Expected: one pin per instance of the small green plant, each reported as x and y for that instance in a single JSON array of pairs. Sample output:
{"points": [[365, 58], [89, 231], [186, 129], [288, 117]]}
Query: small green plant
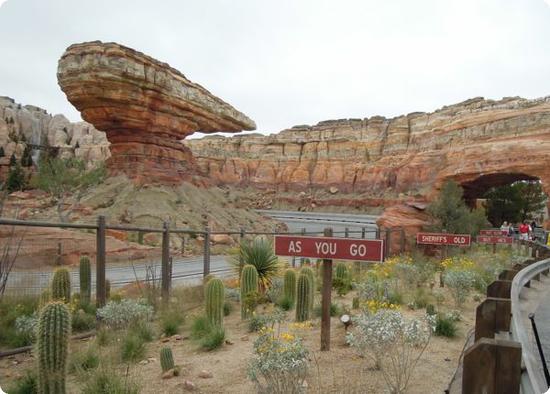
{"points": [[166, 359], [258, 253], [335, 310], [303, 298], [249, 284], [61, 285], [102, 380], [227, 308], [27, 384], [171, 320], [285, 303], [81, 321], [214, 339], [460, 282], [84, 360], [421, 299], [199, 327], [85, 276], [445, 327], [103, 336], [430, 309], [142, 329], [132, 348], [121, 314], [290, 286], [214, 299], [54, 326]]}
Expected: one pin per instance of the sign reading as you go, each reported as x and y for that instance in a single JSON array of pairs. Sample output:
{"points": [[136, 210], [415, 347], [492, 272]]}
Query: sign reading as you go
{"points": [[443, 239], [494, 233], [491, 239], [330, 248]]}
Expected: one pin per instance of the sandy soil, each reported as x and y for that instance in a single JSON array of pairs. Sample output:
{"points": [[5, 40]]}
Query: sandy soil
{"points": [[336, 371]]}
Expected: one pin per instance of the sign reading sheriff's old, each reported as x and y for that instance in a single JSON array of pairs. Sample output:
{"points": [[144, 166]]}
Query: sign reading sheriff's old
{"points": [[492, 239], [443, 239], [330, 248]]}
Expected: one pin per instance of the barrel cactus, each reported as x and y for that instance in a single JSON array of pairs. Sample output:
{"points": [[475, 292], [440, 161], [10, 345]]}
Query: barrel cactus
{"points": [[309, 272], [61, 285], [303, 295], [166, 359], [214, 298], [85, 274], [290, 286], [249, 286], [341, 272], [52, 345]]}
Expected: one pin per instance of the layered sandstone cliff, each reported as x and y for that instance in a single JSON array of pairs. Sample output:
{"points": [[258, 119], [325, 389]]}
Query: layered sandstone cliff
{"points": [[145, 106], [22, 125], [412, 154]]}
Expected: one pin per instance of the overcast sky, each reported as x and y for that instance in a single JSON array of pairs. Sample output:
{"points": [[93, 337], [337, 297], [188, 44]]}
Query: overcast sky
{"points": [[289, 62]]}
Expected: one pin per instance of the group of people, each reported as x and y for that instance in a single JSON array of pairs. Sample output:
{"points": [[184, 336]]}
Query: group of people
{"points": [[525, 229]]}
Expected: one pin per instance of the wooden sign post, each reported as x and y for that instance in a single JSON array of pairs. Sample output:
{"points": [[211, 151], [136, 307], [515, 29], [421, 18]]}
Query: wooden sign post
{"points": [[328, 248]]}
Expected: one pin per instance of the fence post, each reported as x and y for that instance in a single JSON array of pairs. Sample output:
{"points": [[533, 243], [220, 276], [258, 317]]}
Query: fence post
{"points": [[377, 232], [388, 236], [206, 266], [346, 233], [165, 268], [242, 234], [303, 231], [326, 301], [100, 262], [363, 234]]}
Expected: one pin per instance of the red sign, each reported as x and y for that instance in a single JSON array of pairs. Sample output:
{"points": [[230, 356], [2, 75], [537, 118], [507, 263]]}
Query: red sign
{"points": [[490, 239], [330, 248], [494, 233], [443, 239]]}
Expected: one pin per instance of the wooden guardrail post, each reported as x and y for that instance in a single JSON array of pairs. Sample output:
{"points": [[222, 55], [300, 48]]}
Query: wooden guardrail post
{"points": [[100, 262], [326, 299], [206, 257], [499, 289], [492, 366], [165, 267], [492, 315]]}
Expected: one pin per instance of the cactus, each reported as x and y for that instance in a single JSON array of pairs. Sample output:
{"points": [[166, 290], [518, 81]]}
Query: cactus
{"points": [[341, 272], [309, 272], [303, 295], [61, 285], [249, 284], [52, 345], [85, 275], [290, 286], [207, 278], [107, 289], [166, 359], [214, 296]]}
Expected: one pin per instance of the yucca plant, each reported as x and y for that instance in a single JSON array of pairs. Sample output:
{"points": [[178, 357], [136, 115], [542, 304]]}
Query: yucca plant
{"points": [[259, 253]]}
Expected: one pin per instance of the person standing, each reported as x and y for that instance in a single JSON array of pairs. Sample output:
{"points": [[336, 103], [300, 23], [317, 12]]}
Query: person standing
{"points": [[524, 231], [504, 227]]}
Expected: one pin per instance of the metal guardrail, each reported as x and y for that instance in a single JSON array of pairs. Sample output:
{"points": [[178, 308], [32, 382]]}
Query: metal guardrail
{"points": [[532, 381]]}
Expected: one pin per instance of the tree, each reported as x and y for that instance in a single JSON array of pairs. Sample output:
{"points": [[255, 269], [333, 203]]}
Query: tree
{"points": [[515, 202], [60, 177], [16, 179], [451, 213], [26, 159]]}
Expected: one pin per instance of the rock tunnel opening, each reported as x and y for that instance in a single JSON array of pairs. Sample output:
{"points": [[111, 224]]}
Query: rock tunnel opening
{"points": [[475, 191]]}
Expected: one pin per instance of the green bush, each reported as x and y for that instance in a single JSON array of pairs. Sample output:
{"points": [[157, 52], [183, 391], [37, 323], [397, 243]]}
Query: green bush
{"points": [[430, 309], [132, 348], [142, 330], [103, 336], [170, 322], [421, 298], [199, 327], [445, 327], [285, 303], [103, 381], [12, 308], [227, 308], [83, 360], [335, 310], [259, 253], [213, 339], [27, 384], [81, 321]]}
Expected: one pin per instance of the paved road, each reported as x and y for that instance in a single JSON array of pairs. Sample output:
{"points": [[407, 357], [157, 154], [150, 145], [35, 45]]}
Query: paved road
{"points": [[185, 270], [318, 221]]}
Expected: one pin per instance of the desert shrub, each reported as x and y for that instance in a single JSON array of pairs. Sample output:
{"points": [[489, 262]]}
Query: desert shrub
{"points": [[258, 322], [275, 291], [232, 294], [280, 363], [171, 321], [394, 343], [259, 253], [460, 282], [213, 339], [83, 360], [227, 308], [132, 348], [199, 327], [445, 326], [103, 336], [285, 303], [27, 384], [430, 309], [142, 329], [25, 327], [121, 314], [394, 297], [335, 310], [421, 298], [12, 308], [81, 321], [103, 381], [453, 315]]}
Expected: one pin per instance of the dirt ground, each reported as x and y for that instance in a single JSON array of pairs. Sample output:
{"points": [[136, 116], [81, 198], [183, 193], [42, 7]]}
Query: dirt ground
{"points": [[336, 371]]}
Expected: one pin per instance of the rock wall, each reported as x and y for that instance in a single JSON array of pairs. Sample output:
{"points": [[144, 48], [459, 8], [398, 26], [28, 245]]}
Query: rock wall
{"points": [[26, 124], [411, 154]]}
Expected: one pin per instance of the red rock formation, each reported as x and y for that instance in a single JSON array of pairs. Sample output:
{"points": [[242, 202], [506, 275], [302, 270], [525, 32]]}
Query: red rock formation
{"points": [[145, 107], [478, 143]]}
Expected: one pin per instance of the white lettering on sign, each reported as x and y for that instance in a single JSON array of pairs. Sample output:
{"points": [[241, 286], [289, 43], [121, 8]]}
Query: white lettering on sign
{"points": [[358, 250], [295, 246], [434, 238], [459, 240], [326, 248]]}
